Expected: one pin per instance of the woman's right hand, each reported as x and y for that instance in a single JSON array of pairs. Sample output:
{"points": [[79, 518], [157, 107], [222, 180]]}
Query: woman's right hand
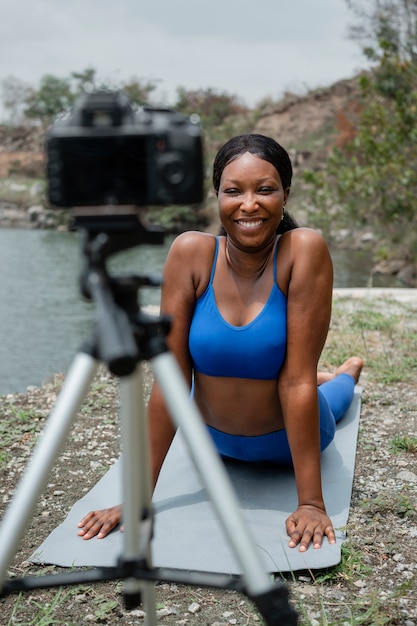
{"points": [[100, 523]]}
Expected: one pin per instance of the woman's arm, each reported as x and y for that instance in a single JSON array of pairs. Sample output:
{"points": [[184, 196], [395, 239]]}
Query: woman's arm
{"points": [[181, 280], [186, 268], [309, 309]]}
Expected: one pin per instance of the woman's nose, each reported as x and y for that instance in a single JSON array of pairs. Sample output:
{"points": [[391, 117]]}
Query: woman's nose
{"points": [[249, 202]]}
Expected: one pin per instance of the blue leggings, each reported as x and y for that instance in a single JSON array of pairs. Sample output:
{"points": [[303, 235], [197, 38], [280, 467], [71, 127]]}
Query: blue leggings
{"points": [[335, 398]]}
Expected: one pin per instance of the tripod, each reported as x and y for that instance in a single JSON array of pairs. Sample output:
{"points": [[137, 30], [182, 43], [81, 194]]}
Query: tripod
{"points": [[122, 339]]}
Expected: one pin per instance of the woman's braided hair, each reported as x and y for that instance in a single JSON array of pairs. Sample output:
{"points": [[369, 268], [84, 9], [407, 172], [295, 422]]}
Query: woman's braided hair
{"points": [[265, 148]]}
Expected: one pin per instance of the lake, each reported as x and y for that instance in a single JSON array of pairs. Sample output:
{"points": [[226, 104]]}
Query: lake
{"points": [[43, 318]]}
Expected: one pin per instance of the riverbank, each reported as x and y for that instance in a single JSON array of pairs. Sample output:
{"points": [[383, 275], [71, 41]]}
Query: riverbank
{"points": [[23, 206], [376, 581], [395, 294]]}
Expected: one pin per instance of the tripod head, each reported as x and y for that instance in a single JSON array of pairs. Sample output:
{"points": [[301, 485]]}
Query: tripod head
{"points": [[105, 159], [122, 331]]}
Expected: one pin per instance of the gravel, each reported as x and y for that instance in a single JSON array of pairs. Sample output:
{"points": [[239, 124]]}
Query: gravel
{"points": [[376, 581]]}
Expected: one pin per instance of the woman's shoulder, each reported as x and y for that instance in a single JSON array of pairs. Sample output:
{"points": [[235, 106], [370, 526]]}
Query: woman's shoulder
{"points": [[191, 257], [191, 241], [304, 234], [192, 247], [304, 239], [303, 255]]}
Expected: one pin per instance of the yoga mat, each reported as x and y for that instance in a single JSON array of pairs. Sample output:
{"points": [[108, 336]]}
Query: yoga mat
{"points": [[187, 533]]}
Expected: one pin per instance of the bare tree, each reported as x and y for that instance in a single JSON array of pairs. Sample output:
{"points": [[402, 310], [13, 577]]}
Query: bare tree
{"points": [[14, 94], [392, 22]]}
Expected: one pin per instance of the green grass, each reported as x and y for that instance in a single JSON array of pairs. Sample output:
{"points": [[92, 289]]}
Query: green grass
{"points": [[380, 337], [390, 501], [22, 190], [16, 427], [43, 613], [387, 342], [403, 443], [351, 567]]}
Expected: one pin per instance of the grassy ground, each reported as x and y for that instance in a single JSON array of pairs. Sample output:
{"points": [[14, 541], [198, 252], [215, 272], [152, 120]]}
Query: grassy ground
{"points": [[374, 584]]}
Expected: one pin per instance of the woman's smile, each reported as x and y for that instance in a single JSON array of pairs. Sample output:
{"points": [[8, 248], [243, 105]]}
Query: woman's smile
{"points": [[250, 224]]}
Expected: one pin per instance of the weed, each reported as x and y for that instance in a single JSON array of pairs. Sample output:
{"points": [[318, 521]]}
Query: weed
{"points": [[403, 443], [368, 319], [44, 611], [381, 337], [104, 609], [399, 503], [17, 426], [4, 458], [350, 568]]}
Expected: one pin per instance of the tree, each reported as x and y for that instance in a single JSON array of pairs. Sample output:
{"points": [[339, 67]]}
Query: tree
{"points": [[15, 92], [53, 97], [139, 91], [371, 178], [391, 23], [211, 105], [84, 80]]}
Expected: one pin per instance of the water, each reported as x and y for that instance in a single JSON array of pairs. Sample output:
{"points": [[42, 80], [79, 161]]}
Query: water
{"points": [[43, 319]]}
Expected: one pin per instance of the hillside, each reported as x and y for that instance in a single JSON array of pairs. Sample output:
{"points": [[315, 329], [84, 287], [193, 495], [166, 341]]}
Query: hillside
{"points": [[303, 124], [307, 124]]}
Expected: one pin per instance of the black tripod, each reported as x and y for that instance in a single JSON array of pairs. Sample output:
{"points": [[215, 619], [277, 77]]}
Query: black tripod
{"points": [[123, 337]]}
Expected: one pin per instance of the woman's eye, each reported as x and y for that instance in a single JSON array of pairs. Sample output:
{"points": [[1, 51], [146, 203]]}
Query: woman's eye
{"points": [[231, 191]]}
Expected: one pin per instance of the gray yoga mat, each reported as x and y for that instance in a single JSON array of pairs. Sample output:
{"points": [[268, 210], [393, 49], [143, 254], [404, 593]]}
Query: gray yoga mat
{"points": [[187, 533]]}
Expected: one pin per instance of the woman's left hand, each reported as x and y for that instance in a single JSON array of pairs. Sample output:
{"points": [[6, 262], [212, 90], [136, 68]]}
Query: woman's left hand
{"points": [[309, 524]]}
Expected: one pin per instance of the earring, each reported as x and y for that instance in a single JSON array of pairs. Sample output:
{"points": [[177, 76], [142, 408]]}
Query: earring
{"points": [[283, 212]]}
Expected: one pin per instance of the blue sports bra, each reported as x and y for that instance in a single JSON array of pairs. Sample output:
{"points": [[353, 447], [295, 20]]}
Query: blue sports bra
{"points": [[255, 351]]}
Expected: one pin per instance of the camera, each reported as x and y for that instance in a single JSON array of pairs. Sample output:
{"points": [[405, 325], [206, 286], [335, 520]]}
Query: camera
{"points": [[106, 153]]}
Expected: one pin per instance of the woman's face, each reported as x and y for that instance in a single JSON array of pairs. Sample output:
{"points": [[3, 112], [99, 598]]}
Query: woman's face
{"points": [[251, 200]]}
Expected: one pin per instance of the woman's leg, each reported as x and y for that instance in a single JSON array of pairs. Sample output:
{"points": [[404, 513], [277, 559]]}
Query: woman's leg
{"points": [[338, 394], [352, 366], [335, 398]]}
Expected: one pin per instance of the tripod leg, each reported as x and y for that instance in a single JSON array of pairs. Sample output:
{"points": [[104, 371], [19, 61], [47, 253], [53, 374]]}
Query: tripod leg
{"points": [[137, 491], [186, 415], [46, 452], [272, 600]]}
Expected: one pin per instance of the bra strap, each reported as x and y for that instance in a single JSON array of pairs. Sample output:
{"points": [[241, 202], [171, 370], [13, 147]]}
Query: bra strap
{"points": [[275, 259], [213, 267]]}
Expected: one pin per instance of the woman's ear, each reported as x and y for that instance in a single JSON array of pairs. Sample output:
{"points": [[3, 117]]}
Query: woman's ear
{"points": [[286, 194]]}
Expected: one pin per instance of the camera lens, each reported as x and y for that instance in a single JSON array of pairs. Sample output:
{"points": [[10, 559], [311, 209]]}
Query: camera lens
{"points": [[173, 171]]}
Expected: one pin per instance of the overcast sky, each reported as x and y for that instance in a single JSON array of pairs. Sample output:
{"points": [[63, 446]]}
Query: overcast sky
{"points": [[252, 49]]}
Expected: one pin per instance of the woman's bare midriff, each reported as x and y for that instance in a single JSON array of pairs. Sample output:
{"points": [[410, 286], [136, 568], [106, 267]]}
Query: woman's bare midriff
{"points": [[248, 409]]}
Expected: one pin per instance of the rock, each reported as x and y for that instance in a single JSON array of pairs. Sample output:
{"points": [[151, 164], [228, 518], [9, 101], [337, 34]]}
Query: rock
{"points": [[407, 477], [15, 187], [34, 212], [408, 275]]}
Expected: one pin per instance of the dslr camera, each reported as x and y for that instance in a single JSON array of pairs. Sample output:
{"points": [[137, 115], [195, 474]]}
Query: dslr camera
{"points": [[105, 153]]}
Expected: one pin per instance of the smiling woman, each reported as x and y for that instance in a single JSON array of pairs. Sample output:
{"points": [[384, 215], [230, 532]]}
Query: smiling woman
{"points": [[261, 157], [251, 200], [251, 311]]}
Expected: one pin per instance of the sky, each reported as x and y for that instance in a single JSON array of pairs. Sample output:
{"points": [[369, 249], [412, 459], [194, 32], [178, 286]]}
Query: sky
{"points": [[253, 49]]}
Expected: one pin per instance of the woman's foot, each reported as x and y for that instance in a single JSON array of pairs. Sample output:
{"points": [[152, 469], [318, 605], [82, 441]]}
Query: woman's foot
{"points": [[352, 366]]}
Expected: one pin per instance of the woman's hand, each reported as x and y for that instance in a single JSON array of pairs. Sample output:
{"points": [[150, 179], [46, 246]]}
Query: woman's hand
{"points": [[100, 523], [309, 524]]}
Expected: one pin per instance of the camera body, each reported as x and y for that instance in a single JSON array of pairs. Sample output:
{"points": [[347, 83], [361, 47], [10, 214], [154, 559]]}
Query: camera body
{"points": [[105, 153]]}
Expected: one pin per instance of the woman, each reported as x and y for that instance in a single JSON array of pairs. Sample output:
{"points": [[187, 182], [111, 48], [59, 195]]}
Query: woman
{"points": [[251, 310]]}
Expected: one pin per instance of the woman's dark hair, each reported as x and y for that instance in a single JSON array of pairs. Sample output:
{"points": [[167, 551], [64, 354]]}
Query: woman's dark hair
{"points": [[265, 148]]}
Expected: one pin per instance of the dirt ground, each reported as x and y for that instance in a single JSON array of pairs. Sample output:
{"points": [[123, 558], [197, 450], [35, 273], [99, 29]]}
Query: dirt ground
{"points": [[376, 581]]}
